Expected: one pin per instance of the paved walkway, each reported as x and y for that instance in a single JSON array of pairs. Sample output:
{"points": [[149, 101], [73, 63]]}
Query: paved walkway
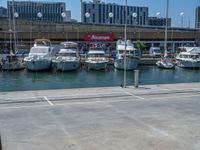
{"points": [[153, 117]]}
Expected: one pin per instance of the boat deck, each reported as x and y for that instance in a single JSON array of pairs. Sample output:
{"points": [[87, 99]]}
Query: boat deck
{"points": [[108, 118]]}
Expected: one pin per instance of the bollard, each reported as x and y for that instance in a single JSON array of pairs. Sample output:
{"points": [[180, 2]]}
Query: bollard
{"points": [[0, 144], [136, 77]]}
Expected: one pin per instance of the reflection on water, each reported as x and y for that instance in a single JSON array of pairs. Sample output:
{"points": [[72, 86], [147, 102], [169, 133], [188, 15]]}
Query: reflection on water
{"points": [[26, 80]]}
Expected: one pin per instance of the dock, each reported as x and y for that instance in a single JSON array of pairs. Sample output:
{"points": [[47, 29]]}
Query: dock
{"points": [[150, 117]]}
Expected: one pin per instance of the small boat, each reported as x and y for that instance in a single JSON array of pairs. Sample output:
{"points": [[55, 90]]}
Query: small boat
{"points": [[131, 54], [12, 62], [96, 60], [188, 60], [165, 63], [40, 56], [67, 58]]}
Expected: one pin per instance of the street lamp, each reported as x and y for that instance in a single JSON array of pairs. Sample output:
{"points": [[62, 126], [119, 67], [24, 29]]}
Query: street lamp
{"points": [[182, 15], [15, 15], [39, 15], [110, 16], [125, 38], [134, 16], [87, 15]]}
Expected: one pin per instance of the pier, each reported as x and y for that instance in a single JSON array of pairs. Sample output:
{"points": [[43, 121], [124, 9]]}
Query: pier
{"points": [[148, 117]]}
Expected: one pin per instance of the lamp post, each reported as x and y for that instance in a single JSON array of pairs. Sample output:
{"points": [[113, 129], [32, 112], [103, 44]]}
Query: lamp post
{"points": [[182, 15], [134, 15], [63, 15], [110, 15], [15, 15], [87, 15], [39, 15], [125, 38]]}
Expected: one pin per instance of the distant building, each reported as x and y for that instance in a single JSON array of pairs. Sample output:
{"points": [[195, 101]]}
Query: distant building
{"points": [[49, 11], [3, 12], [102, 13], [155, 21], [197, 17]]}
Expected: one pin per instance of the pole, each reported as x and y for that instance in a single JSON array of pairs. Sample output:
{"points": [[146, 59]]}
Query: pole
{"points": [[14, 29], [10, 30], [166, 27], [125, 38]]}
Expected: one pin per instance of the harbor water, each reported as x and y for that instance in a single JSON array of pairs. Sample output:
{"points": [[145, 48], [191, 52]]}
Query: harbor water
{"points": [[25, 80]]}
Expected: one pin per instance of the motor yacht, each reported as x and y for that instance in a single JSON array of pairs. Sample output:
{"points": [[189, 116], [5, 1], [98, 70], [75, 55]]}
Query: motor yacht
{"points": [[40, 56], [68, 57], [188, 60], [96, 59], [126, 53]]}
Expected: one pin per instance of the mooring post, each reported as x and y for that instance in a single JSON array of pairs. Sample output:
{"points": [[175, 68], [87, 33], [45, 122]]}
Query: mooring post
{"points": [[136, 78], [0, 144]]}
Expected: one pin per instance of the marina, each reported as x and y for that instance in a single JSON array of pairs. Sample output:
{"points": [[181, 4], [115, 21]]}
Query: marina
{"points": [[82, 78]]}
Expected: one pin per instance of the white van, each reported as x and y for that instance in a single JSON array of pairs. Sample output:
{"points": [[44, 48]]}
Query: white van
{"points": [[155, 52]]}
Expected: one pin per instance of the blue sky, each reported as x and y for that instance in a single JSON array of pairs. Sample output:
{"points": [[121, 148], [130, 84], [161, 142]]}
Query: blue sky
{"points": [[176, 6]]}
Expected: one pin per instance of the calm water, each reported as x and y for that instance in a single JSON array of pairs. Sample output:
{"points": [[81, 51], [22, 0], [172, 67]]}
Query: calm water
{"points": [[26, 80]]}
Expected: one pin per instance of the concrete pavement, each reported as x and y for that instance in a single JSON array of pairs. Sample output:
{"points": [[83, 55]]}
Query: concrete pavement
{"points": [[153, 117]]}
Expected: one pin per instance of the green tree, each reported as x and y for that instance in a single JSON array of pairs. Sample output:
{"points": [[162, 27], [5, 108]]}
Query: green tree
{"points": [[140, 45]]}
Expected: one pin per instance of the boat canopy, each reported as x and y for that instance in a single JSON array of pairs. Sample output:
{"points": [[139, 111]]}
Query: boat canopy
{"points": [[67, 51], [121, 45], [190, 49], [44, 42], [69, 44], [96, 52]]}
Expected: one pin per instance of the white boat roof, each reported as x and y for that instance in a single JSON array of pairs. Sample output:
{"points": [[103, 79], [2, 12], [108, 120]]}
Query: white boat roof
{"points": [[191, 49], [69, 43], [96, 52], [188, 53], [67, 51], [122, 48]]}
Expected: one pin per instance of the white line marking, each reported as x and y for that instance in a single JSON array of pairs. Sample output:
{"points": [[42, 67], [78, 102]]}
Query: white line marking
{"points": [[48, 101], [133, 95]]}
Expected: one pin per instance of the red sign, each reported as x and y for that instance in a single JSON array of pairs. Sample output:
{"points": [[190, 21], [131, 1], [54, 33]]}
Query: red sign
{"points": [[99, 37]]}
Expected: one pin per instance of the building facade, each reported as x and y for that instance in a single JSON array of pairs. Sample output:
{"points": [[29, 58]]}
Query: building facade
{"points": [[197, 17], [49, 11], [3, 12], [155, 21], [107, 13]]}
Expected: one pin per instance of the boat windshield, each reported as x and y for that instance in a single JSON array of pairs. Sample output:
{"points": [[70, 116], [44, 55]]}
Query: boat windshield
{"points": [[39, 50], [156, 50], [96, 55], [68, 54], [190, 56]]}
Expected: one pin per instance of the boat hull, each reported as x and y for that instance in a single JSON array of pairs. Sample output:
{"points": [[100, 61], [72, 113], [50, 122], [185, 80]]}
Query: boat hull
{"points": [[38, 65], [13, 66], [165, 65], [96, 65], [66, 65], [131, 63], [187, 64]]}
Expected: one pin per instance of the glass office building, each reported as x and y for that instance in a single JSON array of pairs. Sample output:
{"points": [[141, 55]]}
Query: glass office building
{"points": [[49, 11], [3, 12], [111, 13]]}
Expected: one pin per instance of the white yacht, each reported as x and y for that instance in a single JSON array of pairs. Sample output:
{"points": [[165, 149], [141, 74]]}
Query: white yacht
{"points": [[131, 54], [12, 62], [40, 56], [96, 59], [67, 58], [188, 60]]}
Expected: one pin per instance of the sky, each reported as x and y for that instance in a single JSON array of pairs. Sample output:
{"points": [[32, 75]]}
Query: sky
{"points": [[175, 8]]}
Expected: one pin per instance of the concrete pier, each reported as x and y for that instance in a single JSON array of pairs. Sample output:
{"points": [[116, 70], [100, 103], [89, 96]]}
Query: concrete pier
{"points": [[153, 117]]}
